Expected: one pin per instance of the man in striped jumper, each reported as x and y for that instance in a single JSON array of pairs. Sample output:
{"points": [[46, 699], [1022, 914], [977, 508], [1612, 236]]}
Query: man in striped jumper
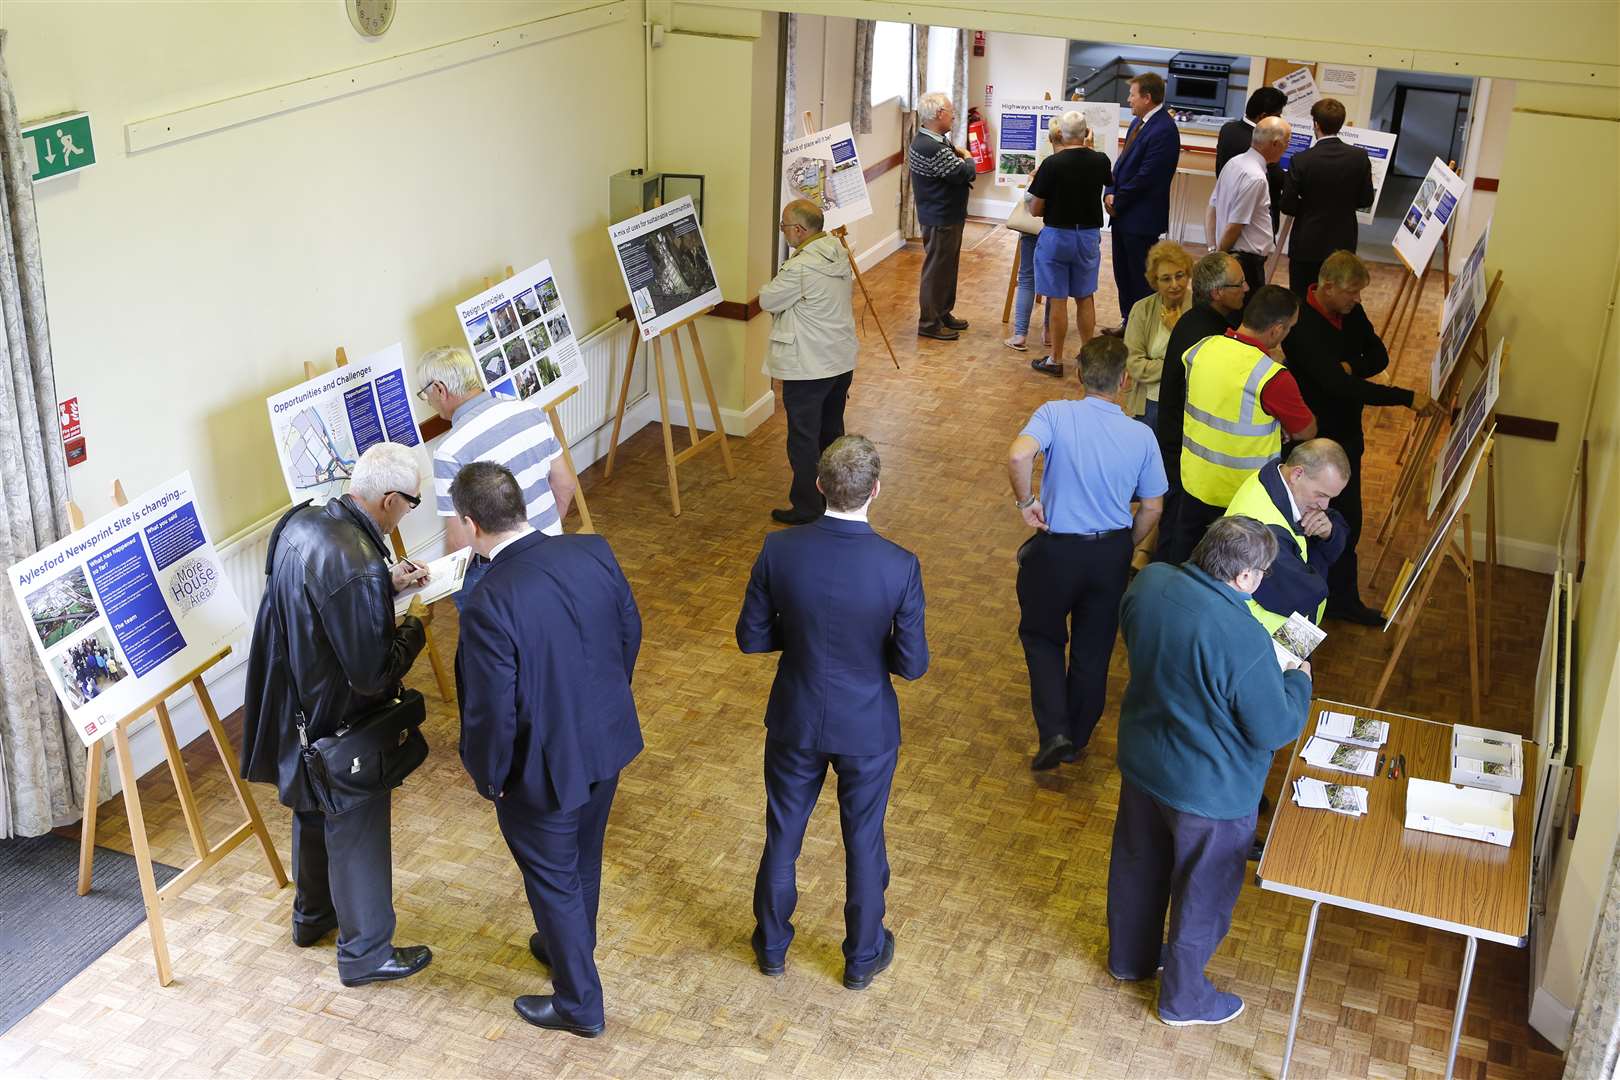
{"points": [[941, 177], [485, 426]]}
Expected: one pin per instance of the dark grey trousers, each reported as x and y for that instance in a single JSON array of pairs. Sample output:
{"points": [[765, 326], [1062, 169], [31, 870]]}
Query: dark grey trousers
{"points": [[936, 289], [343, 864]]}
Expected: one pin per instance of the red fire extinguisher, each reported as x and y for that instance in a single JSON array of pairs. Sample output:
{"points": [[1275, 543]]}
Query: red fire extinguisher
{"points": [[978, 143]]}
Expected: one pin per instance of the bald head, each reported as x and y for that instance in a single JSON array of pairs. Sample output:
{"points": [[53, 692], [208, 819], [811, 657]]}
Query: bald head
{"points": [[1271, 138], [801, 219]]}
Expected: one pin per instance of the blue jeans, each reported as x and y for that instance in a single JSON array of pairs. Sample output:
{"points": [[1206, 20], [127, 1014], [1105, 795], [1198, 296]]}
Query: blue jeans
{"points": [[1024, 298], [1150, 414]]}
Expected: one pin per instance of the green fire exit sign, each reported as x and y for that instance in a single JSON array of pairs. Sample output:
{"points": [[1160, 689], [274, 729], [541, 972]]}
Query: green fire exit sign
{"points": [[58, 146]]}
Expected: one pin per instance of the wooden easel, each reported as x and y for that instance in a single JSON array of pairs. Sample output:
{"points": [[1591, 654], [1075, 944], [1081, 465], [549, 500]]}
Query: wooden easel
{"points": [[440, 676], [207, 855], [562, 439], [1462, 557], [671, 458], [1404, 308], [842, 232]]}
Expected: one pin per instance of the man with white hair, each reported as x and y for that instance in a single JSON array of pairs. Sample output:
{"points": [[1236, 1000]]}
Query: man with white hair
{"points": [[941, 177], [487, 427], [1239, 216], [325, 651], [1066, 194]]}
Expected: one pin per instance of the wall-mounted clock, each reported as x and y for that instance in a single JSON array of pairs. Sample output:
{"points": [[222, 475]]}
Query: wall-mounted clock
{"points": [[371, 17]]}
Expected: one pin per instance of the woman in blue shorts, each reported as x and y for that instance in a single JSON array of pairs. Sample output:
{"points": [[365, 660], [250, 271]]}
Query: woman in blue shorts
{"points": [[1067, 195]]}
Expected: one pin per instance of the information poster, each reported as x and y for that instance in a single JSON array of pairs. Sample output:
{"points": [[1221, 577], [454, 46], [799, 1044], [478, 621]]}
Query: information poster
{"points": [[1442, 530], [1430, 213], [520, 334], [1380, 148], [1299, 86], [322, 426], [1021, 135], [1459, 313], [665, 265], [825, 169], [1469, 423], [127, 605]]}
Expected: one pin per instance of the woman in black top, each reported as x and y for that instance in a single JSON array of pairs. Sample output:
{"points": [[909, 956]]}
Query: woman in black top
{"points": [[1067, 195]]}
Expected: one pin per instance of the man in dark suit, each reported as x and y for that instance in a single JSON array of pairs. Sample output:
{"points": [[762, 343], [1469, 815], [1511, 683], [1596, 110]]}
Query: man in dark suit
{"points": [[1236, 136], [548, 645], [1326, 185], [845, 609], [1138, 201]]}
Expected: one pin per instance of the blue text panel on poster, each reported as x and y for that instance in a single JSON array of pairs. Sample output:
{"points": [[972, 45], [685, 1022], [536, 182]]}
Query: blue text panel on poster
{"points": [[129, 595], [396, 408], [364, 423], [175, 536], [1018, 131]]}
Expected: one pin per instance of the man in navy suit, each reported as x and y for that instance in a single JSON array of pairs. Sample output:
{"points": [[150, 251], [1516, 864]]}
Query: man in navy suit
{"points": [[548, 644], [845, 609], [1138, 201]]}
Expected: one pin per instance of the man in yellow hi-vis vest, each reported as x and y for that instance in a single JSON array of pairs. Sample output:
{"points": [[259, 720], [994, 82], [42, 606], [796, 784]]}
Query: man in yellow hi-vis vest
{"points": [[1291, 499], [1239, 404]]}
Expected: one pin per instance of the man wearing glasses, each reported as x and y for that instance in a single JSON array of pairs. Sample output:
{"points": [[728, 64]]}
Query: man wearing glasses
{"points": [[325, 650], [1219, 292]]}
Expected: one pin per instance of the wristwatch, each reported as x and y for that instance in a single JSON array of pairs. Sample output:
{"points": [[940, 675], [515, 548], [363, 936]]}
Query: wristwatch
{"points": [[1025, 504]]}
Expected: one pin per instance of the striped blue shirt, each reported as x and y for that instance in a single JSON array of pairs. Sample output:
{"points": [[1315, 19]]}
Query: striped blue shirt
{"points": [[507, 432]]}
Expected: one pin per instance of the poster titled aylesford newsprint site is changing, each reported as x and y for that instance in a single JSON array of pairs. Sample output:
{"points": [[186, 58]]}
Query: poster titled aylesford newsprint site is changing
{"points": [[825, 169], [665, 265], [322, 426], [127, 605], [520, 334]]}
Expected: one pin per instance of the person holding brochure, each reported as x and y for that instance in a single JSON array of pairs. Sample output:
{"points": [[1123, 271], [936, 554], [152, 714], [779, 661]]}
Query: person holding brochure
{"points": [[326, 650], [548, 647], [1205, 708], [484, 427]]}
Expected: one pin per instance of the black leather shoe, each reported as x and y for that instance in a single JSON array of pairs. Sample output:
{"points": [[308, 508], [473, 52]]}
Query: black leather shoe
{"points": [[952, 322], [792, 517], [1355, 612], [541, 1011], [1051, 752], [1047, 366], [404, 963], [766, 967], [537, 949], [938, 333], [1072, 755], [306, 934], [885, 958]]}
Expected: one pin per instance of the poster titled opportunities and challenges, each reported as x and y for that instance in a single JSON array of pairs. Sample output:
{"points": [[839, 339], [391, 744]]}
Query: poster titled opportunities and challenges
{"points": [[665, 265], [127, 605], [323, 425], [519, 333]]}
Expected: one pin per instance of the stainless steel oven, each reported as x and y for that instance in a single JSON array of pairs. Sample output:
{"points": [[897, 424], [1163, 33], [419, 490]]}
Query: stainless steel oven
{"points": [[1197, 83]]}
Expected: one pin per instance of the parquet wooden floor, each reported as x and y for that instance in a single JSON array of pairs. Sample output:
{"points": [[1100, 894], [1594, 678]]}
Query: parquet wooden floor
{"points": [[998, 875]]}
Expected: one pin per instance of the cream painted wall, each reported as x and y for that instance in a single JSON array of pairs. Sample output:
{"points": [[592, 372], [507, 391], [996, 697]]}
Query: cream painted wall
{"points": [[190, 281], [1018, 67]]}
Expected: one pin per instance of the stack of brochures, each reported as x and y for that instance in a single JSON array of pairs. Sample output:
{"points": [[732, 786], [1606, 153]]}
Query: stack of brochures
{"points": [[1340, 798], [1327, 754], [1355, 730]]}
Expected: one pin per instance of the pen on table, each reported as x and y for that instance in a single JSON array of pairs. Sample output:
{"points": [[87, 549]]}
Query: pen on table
{"points": [[1380, 766], [1403, 766]]}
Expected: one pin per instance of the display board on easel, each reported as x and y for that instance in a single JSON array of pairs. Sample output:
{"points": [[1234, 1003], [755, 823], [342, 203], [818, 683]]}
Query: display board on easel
{"points": [[126, 612]]}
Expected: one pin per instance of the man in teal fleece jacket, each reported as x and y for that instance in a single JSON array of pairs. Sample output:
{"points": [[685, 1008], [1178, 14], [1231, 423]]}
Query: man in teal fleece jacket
{"points": [[1206, 707]]}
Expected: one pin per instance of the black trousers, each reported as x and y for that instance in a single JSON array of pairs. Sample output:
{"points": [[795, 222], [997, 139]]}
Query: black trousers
{"points": [[936, 288], [815, 417], [1302, 274], [560, 855], [1254, 269], [1069, 589], [1193, 518], [1344, 584], [343, 865], [1130, 252]]}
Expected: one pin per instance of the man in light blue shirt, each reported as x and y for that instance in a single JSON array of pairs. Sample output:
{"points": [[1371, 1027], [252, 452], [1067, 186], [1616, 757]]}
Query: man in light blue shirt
{"points": [[1073, 571]]}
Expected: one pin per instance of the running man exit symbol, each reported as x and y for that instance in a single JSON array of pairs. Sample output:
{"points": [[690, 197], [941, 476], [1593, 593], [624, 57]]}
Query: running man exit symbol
{"points": [[58, 146]]}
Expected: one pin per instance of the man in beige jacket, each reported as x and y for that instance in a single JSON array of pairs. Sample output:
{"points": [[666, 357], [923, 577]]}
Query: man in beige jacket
{"points": [[812, 348]]}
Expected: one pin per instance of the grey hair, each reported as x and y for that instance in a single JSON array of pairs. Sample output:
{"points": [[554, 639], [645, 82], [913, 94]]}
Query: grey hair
{"points": [[1314, 455], [386, 467], [1073, 126], [1209, 274], [806, 213], [848, 471], [930, 104], [1233, 545], [451, 365], [1269, 132]]}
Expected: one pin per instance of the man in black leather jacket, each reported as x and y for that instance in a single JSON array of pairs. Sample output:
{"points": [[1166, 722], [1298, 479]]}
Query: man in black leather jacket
{"points": [[325, 644]]}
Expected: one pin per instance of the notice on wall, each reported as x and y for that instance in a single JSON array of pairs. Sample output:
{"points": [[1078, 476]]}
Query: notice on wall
{"points": [[323, 425], [665, 265], [825, 169], [127, 605], [1458, 314], [1021, 135], [1338, 81], [1469, 423], [1431, 211], [1380, 148], [519, 333]]}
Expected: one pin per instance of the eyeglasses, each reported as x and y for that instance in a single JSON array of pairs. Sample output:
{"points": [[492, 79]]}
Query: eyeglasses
{"points": [[1232, 284], [414, 500], [422, 393]]}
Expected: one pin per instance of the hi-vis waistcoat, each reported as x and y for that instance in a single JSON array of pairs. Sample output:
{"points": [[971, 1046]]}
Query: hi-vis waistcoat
{"points": [[1252, 500], [1226, 434]]}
